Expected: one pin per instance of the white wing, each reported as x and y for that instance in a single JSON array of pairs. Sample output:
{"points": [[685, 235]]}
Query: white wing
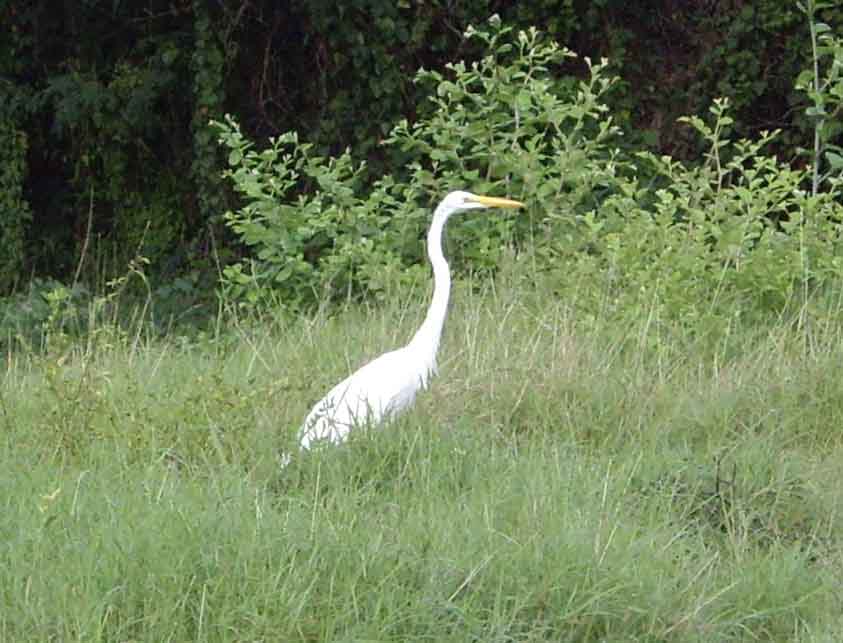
{"points": [[376, 392]]}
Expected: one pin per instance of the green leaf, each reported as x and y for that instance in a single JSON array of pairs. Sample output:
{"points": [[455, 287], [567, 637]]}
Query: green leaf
{"points": [[523, 101], [834, 160], [805, 78]]}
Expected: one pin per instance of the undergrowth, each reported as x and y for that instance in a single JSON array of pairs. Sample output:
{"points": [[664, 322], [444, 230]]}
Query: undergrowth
{"points": [[566, 478]]}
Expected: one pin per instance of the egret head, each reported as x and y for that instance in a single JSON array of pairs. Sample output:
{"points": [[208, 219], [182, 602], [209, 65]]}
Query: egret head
{"points": [[459, 200]]}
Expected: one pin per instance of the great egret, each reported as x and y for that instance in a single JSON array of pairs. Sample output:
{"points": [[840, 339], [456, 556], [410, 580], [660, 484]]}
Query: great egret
{"points": [[387, 385]]}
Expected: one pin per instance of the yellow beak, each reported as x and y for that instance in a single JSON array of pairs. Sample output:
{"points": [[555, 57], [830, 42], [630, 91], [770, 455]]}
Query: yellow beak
{"points": [[496, 202]]}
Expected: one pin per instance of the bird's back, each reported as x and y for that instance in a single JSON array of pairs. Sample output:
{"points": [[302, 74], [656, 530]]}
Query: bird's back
{"points": [[371, 395]]}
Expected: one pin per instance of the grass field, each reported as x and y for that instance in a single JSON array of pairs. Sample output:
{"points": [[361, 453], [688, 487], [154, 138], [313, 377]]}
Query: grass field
{"points": [[566, 478]]}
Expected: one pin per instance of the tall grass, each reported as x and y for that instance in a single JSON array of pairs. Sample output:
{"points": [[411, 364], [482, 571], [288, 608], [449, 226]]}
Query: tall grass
{"points": [[566, 478]]}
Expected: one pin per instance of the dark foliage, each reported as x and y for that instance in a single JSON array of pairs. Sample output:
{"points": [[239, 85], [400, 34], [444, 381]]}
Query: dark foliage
{"points": [[107, 103]]}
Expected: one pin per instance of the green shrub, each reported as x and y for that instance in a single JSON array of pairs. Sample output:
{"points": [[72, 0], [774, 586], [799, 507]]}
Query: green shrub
{"points": [[501, 125], [738, 234], [823, 85]]}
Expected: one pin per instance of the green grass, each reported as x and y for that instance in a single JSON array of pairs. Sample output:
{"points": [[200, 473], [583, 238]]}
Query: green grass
{"points": [[566, 478]]}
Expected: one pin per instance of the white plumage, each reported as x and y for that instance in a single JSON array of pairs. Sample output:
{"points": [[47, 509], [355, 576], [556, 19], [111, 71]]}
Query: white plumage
{"points": [[387, 385]]}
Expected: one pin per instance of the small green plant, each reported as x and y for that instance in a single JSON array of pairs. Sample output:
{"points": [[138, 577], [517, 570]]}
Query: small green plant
{"points": [[52, 317], [823, 84], [48, 314], [290, 228]]}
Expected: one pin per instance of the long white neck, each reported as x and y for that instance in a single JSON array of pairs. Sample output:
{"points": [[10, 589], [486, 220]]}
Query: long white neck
{"points": [[427, 337]]}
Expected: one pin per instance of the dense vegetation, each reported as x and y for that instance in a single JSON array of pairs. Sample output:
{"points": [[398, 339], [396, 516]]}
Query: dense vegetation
{"points": [[104, 107], [567, 478], [635, 434]]}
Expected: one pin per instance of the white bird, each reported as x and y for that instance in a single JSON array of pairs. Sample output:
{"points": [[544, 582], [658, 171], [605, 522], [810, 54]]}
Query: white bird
{"points": [[387, 385]]}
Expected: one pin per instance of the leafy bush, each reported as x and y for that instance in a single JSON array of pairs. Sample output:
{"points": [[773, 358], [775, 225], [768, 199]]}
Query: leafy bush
{"points": [[823, 84], [53, 317], [741, 231], [737, 233], [501, 125]]}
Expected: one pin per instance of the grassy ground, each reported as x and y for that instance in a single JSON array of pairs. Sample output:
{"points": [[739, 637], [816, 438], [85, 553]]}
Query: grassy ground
{"points": [[565, 479]]}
